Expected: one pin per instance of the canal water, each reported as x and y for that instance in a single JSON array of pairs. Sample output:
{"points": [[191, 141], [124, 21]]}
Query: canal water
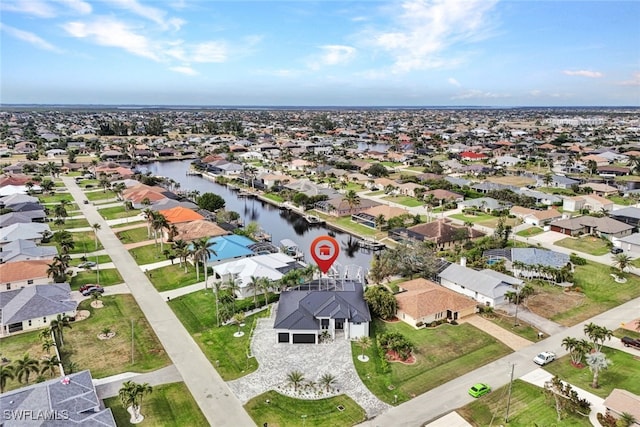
{"points": [[279, 223]]}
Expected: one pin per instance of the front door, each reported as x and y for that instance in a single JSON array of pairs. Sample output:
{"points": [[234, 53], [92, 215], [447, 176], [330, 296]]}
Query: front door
{"points": [[339, 323]]}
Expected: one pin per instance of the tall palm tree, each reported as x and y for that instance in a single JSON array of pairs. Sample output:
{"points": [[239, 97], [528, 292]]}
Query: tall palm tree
{"points": [[96, 227], [148, 216], [327, 380], [57, 326], [352, 199], [25, 366], [49, 364], [182, 251], [265, 286], [158, 224], [131, 394], [597, 362], [598, 335], [255, 286], [6, 373], [202, 251], [295, 378]]}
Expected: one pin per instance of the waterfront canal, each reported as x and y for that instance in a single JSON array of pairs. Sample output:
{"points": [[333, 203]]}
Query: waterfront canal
{"points": [[279, 223]]}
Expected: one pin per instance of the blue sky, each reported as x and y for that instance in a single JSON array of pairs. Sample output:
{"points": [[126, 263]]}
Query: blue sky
{"points": [[366, 53]]}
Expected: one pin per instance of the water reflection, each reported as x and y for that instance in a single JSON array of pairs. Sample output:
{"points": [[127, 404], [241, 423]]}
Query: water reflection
{"points": [[350, 246]]}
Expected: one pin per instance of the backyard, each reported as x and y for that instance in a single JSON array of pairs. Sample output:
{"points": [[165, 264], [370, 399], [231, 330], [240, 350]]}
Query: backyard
{"points": [[273, 409], [167, 405], [528, 407], [588, 244], [14, 347], [106, 277], [228, 354], [441, 354]]}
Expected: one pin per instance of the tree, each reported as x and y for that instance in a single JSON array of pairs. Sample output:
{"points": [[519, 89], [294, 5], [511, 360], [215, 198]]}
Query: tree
{"points": [[210, 201], [131, 395], [6, 373], [352, 199], [202, 251], [598, 335], [597, 362], [566, 399], [238, 318], [327, 380], [181, 249], [255, 287], [265, 285], [96, 227], [378, 170], [159, 223], [295, 378], [381, 302], [49, 364], [364, 342], [48, 344], [547, 179], [24, 367], [621, 261], [57, 326], [576, 348]]}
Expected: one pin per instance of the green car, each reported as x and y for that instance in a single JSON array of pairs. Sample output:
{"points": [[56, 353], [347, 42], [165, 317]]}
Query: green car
{"points": [[479, 389]]}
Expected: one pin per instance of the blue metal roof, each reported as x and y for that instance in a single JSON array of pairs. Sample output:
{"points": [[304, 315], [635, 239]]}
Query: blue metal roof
{"points": [[231, 246]]}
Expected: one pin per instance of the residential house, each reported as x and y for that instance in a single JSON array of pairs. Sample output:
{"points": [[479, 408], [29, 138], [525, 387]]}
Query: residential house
{"points": [[630, 243], [310, 188], [622, 401], [303, 316], [198, 229], [179, 215], [25, 250], [629, 215], [35, 307], [485, 204], [369, 217], [68, 401], [444, 196], [409, 189], [595, 203], [230, 246], [573, 204], [25, 231], [22, 218], [507, 161], [558, 181], [538, 218], [488, 287], [20, 274], [600, 189], [421, 302], [604, 227], [338, 206], [526, 262], [473, 157], [539, 196], [441, 232]]}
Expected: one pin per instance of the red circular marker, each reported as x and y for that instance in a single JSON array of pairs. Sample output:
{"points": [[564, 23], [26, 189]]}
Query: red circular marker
{"points": [[324, 250]]}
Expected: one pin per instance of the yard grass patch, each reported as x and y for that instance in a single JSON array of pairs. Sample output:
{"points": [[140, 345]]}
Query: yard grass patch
{"points": [[507, 322], [101, 196], [167, 405], [528, 407], [515, 180], [134, 235], [442, 353], [273, 196], [15, 346], [531, 231], [110, 357], [148, 254], [56, 198], [116, 212], [588, 244], [173, 277], [76, 223], [285, 411], [404, 200], [472, 218], [107, 277]]}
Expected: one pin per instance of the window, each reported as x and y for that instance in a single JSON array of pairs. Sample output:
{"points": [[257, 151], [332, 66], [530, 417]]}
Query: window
{"points": [[30, 282], [356, 323], [8, 286], [44, 320], [29, 322]]}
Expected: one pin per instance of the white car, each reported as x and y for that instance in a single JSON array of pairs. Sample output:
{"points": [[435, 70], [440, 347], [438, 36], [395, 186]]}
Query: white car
{"points": [[544, 358]]}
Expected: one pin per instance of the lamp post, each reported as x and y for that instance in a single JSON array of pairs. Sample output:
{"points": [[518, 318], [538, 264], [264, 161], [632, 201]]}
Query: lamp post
{"points": [[506, 417]]}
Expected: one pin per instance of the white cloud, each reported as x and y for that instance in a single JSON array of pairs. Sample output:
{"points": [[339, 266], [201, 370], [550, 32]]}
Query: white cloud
{"points": [[149, 12], [427, 29], [29, 38], [78, 6], [478, 94], [454, 82], [113, 33], [332, 55], [30, 7], [209, 52], [634, 81], [583, 73], [184, 70], [535, 92]]}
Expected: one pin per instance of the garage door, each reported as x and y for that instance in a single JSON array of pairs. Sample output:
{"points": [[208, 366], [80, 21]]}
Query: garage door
{"points": [[283, 336], [304, 338]]}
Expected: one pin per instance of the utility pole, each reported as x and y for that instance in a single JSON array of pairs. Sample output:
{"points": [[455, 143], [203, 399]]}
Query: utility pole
{"points": [[506, 417], [515, 321], [132, 349]]}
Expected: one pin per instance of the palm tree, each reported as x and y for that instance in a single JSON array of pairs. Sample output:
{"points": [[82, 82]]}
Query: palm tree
{"points": [[57, 326], [547, 179], [627, 419], [131, 396], [6, 373], [327, 380], [598, 335], [202, 251], [148, 216], [96, 227], [49, 364], [182, 251], [265, 286], [295, 378], [352, 199], [597, 362], [233, 288], [159, 223], [364, 342], [238, 318], [621, 261], [24, 367], [45, 334], [48, 344]]}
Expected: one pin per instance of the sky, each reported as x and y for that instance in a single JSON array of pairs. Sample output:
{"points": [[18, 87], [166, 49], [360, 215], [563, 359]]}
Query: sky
{"points": [[320, 53]]}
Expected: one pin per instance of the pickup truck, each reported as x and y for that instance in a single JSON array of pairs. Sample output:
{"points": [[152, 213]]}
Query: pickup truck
{"points": [[630, 342]]}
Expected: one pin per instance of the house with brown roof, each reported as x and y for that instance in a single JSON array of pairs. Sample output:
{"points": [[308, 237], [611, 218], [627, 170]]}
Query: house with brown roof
{"points": [[535, 217], [409, 188], [422, 301], [622, 401], [442, 232], [19, 274], [338, 206], [369, 216], [179, 215], [444, 195], [193, 230], [602, 227]]}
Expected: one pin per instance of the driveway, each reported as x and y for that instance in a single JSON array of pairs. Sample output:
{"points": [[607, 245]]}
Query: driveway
{"points": [[276, 360]]}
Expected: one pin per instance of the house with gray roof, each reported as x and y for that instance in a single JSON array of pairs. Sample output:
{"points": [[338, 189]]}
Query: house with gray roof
{"points": [[8, 201], [71, 400], [26, 231], [34, 306], [485, 204], [630, 243], [526, 262], [629, 215], [304, 315], [22, 218], [603, 227], [25, 250], [488, 287]]}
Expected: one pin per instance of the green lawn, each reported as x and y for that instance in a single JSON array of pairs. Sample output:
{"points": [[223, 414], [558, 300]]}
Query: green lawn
{"points": [[523, 329], [108, 277], [273, 196], [286, 411], [532, 231], [56, 198], [117, 212], [345, 222], [127, 224], [619, 200], [472, 218], [441, 354], [173, 277], [149, 254], [588, 244], [14, 347], [133, 235], [76, 223], [99, 195], [623, 373], [552, 190], [167, 405], [493, 222], [84, 242], [601, 293], [100, 259], [404, 200], [528, 407], [228, 354], [375, 193]]}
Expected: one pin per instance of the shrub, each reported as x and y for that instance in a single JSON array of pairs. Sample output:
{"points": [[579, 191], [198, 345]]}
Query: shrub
{"points": [[419, 324], [576, 260]]}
